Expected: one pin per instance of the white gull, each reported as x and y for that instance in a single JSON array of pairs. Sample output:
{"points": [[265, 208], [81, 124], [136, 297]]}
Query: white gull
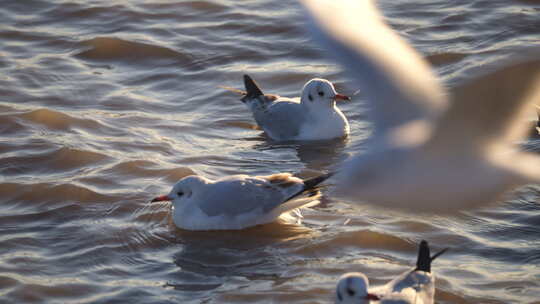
{"points": [[416, 286], [429, 151], [313, 116], [240, 201]]}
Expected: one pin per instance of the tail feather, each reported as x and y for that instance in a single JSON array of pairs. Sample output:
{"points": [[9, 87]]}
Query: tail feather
{"points": [[311, 192], [252, 89], [424, 259], [308, 201]]}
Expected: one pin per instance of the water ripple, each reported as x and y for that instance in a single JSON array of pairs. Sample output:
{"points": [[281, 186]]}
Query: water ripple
{"points": [[106, 104]]}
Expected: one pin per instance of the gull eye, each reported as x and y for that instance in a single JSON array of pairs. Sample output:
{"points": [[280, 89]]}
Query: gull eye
{"points": [[350, 292], [321, 93], [310, 97], [180, 193]]}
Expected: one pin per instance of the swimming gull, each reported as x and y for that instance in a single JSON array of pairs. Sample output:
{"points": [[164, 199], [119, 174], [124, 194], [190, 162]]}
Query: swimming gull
{"points": [[240, 201], [313, 116], [416, 286]]}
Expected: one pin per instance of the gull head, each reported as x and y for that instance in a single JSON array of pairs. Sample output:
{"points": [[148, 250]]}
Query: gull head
{"points": [[319, 93], [183, 190], [353, 288]]}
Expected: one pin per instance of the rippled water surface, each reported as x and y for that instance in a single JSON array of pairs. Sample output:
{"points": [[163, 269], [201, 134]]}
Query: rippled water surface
{"points": [[105, 104]]}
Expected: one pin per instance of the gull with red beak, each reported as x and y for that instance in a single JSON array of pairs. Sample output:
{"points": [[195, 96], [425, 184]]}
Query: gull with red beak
{"points": [[313, 116], [240, 201], [414, 286]]}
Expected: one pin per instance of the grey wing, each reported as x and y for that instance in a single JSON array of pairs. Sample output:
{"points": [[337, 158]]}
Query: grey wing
{"points": [[282, 119], [242, 194]]}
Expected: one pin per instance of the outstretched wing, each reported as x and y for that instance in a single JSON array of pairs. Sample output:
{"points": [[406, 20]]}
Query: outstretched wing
{"points": [[491, 109], [401, 88]]}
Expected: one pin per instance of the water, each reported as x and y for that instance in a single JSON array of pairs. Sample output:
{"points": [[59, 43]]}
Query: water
{"points": [[105, 104]]}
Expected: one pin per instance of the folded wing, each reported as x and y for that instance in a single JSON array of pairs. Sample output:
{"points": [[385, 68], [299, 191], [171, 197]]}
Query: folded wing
{"points": [[240, 194]]}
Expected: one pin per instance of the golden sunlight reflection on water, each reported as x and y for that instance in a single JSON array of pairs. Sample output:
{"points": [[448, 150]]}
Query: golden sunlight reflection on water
{"points": [[105, 104]]}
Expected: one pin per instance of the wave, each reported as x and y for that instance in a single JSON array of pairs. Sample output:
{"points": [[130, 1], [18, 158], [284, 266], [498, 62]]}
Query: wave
{"points": [[43, 193], [111, 48], [60, 160]]}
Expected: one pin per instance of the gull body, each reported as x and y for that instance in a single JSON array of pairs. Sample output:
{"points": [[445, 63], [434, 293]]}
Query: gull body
{"points": [[313, 116], [431, 150], [240, 201], [415, 286]]}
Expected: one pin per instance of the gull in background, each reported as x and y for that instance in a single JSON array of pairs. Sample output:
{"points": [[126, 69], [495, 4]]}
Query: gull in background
{"points": [[240, 201], [416, 286], [313, 116], [430, 150]]}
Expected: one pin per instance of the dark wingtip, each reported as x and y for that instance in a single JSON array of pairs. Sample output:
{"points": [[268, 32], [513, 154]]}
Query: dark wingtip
{"points": [[438, 254], [252, 88], [313, 182], [424, 259]]}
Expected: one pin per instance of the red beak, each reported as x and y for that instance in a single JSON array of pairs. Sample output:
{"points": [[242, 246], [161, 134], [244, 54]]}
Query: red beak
{"points": [[342, 97], [372, 297], [161, 199]]}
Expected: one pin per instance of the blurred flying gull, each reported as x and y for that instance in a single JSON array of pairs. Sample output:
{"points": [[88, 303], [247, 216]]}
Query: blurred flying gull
{"points": [[429, 151]]}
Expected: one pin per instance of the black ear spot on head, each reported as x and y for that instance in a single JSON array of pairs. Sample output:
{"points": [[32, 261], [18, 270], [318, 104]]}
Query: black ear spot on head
{"points": [[310, 97]]}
